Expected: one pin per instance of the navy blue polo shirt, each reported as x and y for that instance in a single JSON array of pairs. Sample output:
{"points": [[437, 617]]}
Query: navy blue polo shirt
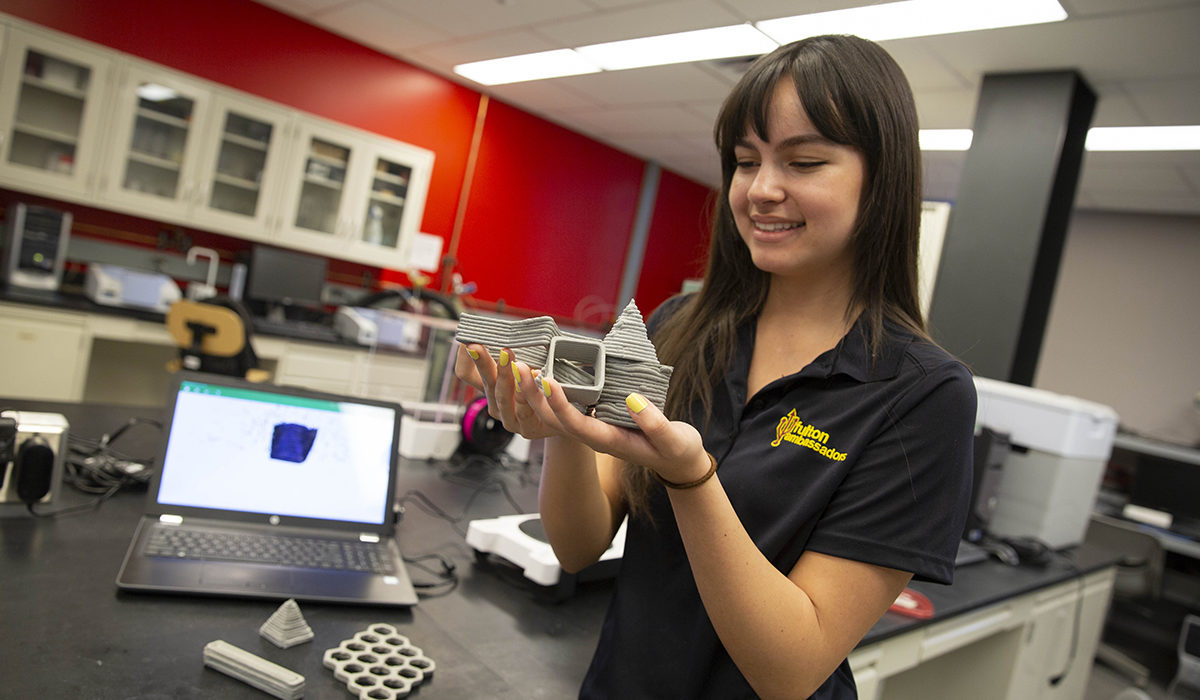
{"points": [[869, 461]]}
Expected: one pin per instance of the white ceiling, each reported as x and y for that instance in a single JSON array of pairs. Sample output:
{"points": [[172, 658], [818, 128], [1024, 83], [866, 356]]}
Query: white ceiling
{"points": [[1142, 57]]}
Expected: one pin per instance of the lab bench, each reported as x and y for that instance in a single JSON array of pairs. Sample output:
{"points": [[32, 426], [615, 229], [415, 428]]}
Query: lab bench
{"points": [[999, 632], [67, 348]]}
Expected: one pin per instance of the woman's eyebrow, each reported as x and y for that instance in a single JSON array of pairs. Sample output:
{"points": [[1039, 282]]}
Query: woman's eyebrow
{"points": [[804, 140], [791, 141]]}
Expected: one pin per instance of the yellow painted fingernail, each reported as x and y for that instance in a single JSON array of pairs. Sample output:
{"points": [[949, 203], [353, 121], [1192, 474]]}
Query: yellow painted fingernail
{"points": [[545, 386], [474, 355], [503, 358], [516, 377], [636, 403]]}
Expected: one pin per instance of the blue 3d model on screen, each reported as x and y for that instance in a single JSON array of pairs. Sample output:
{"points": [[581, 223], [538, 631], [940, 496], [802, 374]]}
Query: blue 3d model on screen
{"points": [[292, 442], [596, 374]]}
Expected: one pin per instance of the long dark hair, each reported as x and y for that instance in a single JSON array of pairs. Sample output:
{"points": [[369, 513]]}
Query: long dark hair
{"points": [[855, 95]]}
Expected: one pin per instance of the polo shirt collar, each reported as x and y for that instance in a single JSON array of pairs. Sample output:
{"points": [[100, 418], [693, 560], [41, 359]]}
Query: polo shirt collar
{"points": [[852, 355]]}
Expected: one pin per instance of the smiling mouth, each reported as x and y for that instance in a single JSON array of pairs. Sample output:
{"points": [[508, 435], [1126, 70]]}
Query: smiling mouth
{"points": [[778, 228]]}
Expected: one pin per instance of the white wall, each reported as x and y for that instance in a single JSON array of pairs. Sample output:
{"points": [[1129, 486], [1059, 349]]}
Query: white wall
{"points": [[1124, 325]]}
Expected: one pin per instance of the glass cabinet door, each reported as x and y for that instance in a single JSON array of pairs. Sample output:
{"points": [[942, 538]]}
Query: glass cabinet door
{"points": [[326, 166], [239, 166], [385, 203], [154, 161], [50, 92], [159, 121], [236, 185]]}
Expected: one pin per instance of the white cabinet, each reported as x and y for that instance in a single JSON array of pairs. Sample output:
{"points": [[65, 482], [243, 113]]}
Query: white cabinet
{"points": [[1035, 646], [357, 372], [1067, 623], [157, 126], [52, 108], [354, 196], [240, 167], [90, 125], [43, 356]]}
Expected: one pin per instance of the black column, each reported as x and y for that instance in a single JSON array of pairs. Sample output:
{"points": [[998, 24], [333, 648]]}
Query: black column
{"points": [[1007, 228]]}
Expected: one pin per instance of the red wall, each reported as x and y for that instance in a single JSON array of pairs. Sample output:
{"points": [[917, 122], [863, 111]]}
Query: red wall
{"points": [[677, 246], [550, 211], [550, 216]]}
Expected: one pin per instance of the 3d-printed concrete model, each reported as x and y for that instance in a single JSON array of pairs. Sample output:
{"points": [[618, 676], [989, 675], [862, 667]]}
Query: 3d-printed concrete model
{"points": [[379, 663], [286, 627], [254, 670], [594, 374]]}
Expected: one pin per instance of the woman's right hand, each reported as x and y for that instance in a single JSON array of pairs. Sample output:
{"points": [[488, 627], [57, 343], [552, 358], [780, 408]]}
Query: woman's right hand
{"points": [[505, 384]]}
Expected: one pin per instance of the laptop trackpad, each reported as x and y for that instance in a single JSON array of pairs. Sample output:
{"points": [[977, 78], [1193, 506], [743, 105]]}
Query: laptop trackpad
{"points": [[243, 577]]}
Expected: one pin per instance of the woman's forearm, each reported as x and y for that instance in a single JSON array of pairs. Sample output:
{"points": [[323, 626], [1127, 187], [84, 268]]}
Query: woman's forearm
{"points": [[577, 502], [786, 633]]}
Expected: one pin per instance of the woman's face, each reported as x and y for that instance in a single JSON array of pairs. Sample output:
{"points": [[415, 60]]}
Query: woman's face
{"points": [[795, 197]]}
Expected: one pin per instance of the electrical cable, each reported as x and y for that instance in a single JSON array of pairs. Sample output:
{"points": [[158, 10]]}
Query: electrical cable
{"points": [[92, 466], [448, 578]]}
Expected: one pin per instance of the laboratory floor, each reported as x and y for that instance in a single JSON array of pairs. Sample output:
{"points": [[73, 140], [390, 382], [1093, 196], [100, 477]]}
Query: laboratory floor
{"points": [[1107, 684]]}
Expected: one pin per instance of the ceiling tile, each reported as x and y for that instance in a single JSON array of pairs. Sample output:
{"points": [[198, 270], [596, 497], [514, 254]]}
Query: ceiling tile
{"points": [[658, 85], [513, 42], [1167, 102], [300, 8], [946, 109], [1108, 48], [470, 17], [543, 96], [639, 121], [378, 27], [639, 21], [754, 10]]}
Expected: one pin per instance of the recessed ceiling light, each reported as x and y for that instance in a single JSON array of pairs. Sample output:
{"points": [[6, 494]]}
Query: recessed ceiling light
{"points": [[1099, 138], [898, 20], [945, 139], [681, 47], [530, 66], [1143, 138]]}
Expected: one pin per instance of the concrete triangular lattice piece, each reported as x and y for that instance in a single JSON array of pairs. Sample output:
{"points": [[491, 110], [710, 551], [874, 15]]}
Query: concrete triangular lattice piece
{"points": [[286, 627]]}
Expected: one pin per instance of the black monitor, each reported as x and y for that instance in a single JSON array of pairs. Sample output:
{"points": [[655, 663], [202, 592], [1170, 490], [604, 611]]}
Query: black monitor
{"points": [[285, 277]]}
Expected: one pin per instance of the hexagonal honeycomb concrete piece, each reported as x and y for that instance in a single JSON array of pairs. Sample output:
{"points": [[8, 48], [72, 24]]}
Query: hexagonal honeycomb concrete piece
{"points": [[379, 663]]}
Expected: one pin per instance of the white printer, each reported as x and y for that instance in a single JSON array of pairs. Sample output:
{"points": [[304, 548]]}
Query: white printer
{"points": [[112, 285], [384, 327], [1060, 447]]}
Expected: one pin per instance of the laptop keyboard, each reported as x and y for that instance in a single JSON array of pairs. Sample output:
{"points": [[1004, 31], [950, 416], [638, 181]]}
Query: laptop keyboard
{"points": [[304, 552]]}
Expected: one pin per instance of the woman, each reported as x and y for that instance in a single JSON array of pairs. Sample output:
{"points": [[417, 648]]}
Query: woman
{"points": [[803, 370]]}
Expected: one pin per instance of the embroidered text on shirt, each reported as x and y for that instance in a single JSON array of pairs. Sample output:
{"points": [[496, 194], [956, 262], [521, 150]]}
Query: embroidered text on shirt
{"points": [[792, 429]]}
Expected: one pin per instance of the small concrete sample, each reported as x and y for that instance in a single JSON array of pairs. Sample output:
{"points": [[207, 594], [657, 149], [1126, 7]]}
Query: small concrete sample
{"points": [[623, 362], [286, 627], [379, 663], [253, 670]]}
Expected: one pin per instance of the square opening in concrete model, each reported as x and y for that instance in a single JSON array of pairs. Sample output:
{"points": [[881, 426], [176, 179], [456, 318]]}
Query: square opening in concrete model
{"points": [[586, 359]]}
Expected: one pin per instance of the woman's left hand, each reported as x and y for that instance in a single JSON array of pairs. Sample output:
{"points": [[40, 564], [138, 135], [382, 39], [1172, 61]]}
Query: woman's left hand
{"points": [[673, 449]]}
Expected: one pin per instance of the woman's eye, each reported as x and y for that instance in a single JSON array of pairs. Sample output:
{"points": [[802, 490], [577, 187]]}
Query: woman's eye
{"points": [[807, 164], [743, 163]]}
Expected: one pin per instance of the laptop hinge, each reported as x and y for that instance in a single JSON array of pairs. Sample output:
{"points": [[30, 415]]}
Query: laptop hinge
{"points": [[368, 537], [170, 519]]}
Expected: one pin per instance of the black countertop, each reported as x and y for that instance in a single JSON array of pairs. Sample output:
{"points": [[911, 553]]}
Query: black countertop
{"points": [[68, 632], [73, 299]]}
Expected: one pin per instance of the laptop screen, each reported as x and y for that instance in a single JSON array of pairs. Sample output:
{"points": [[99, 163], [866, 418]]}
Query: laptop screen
{"points": [[261, 451]]}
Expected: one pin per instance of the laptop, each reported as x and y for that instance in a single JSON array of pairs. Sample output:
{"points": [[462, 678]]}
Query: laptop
{"points": [[272, 492]]}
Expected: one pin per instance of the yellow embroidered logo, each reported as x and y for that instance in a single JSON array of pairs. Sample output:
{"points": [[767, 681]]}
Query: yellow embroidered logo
{"points": [[792, 429]]}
